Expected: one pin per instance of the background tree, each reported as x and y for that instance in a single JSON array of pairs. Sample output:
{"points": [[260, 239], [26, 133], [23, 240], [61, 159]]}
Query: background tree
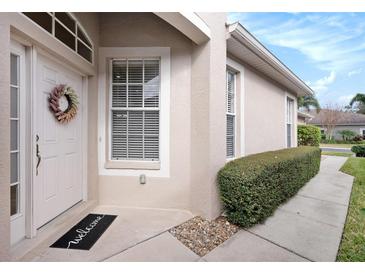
{"points": [[358, 103], [346, 134], [307, 102], [329, 117]]}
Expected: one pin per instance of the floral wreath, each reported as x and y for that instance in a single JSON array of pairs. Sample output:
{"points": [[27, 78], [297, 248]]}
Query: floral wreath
{"points": [[72, 100]]}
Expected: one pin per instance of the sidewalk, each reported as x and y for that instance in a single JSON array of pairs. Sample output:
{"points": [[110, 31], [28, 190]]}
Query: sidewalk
{"points": [[307, 228]]}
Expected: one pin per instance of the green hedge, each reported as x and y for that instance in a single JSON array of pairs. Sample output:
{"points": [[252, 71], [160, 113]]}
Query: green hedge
{"points": [[308, 135], [252, 187], [359, 151], [332, 141]]}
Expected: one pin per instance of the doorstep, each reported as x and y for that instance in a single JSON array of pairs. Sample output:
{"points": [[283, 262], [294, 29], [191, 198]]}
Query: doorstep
{"points": [[59, 223], [133, 226]]}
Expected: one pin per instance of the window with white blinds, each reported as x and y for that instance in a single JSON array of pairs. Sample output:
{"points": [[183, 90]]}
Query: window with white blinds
{"points": [[289, 121], [231, 114], [135, 109]]}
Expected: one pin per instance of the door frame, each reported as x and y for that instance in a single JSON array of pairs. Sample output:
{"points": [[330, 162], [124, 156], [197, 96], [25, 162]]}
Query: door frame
{"points": [[32, 51]]}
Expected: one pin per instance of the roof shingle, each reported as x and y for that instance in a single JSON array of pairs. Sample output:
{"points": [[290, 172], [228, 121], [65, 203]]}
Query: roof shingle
{"points": [[346, 118]]}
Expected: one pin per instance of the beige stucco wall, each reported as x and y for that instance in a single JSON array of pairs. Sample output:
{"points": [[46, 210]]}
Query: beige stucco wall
{"points": [[208, 143], [4, 141], [197, 115], [90, 22], [265, 105], [148, 30]]}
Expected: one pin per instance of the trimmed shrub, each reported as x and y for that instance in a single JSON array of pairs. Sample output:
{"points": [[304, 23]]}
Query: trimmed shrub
{"points": [[308, 135], [347, 135], [252, 187], [358, 138], [359, 151]]}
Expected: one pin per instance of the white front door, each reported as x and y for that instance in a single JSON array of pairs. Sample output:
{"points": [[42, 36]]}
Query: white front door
{"points": [[58, 184]]}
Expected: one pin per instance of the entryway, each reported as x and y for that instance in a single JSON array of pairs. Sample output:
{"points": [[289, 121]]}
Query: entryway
{"points": [[47, 157]]}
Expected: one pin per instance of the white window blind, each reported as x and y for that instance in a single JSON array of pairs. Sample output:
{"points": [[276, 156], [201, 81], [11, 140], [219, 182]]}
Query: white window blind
{"points": [[231, 114], [289, 121], [135, 109]]}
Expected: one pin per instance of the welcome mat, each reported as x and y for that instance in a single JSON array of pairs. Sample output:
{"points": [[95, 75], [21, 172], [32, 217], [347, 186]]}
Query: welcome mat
{"points": [[85, 234]]}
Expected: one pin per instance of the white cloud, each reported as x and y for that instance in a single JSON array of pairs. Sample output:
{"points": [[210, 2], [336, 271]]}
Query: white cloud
{"points": [[345, 100], [354, 72], [323, 83], [332, 42]]}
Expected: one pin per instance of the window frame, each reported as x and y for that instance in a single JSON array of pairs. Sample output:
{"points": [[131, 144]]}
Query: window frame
{"points": [[106, 167], [232, 114], [362, 131], [127, 108]]}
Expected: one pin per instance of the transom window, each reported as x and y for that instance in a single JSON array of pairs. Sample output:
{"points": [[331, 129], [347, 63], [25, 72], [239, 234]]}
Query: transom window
{"points": [[135, 109], [64, 27], [230, 114]]}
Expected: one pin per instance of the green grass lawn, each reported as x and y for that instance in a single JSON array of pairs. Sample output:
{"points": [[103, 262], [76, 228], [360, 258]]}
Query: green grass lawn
{"points": [[352, 246], [337, 145], [333, 153]]}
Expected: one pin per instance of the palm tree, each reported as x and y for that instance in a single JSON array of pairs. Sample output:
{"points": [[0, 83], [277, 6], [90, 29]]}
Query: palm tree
{"points": [[358, 98], [309, 101]]}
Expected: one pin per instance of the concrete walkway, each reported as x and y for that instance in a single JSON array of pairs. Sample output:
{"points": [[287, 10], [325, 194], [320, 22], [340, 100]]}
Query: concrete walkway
{"points": [[336, 149], [307, 228]]}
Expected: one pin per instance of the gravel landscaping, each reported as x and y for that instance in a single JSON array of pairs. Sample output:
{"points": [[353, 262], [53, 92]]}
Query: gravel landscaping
{"points": [[201, 235]]}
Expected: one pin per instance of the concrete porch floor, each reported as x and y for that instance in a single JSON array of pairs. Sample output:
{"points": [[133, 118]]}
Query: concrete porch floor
{"points": [[132, 227]]}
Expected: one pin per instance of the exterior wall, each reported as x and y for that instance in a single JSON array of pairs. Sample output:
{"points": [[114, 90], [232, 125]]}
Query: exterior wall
{"points": [[148, 30], [208, 116], [90, 22], [4, 141], [356, 129], [265, 113]]}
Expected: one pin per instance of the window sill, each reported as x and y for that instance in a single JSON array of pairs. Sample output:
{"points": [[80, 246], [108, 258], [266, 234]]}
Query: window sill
{"points": [[139, 165]]}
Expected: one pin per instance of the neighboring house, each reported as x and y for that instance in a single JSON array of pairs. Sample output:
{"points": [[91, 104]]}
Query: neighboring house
{"points": [[346, 121], [165, 100], [303, 117]]}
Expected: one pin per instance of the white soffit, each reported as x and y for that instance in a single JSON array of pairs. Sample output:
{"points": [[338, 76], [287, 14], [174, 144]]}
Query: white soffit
{"points": [[243, 45], [189, 23]]}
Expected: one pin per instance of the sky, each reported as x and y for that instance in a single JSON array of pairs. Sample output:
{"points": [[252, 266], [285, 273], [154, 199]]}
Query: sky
{"points": [[326, 50]]}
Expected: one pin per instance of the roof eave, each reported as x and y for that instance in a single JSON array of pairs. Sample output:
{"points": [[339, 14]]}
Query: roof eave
{"points": [[303, 114], [238, 32]]}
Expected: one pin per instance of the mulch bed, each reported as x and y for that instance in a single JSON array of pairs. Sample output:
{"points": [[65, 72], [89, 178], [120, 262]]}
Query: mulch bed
{"points": [[201, 235]]}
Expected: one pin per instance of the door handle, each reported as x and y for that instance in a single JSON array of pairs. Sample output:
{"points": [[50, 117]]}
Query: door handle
{"points": [[38, 155]]}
